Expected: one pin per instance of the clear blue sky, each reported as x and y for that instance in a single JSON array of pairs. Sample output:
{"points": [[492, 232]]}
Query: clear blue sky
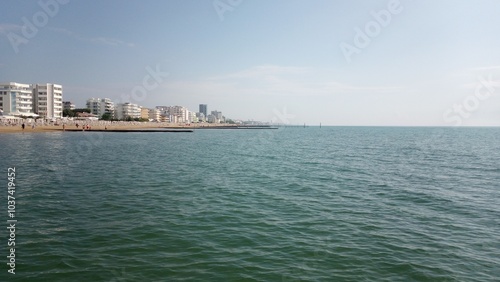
{"points": [[432, 63]]}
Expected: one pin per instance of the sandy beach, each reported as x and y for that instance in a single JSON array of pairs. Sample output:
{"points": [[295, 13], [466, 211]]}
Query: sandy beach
{"points": [[100, 125]]}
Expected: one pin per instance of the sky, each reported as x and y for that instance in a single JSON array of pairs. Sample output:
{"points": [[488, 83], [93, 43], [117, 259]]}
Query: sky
{"points": [[374, 63]]}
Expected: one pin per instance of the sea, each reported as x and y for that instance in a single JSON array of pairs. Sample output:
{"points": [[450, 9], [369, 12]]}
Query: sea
{"points": [[290, 204]]}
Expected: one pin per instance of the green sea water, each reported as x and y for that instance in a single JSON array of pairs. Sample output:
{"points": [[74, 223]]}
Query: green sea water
{"points": [[293, 204]]}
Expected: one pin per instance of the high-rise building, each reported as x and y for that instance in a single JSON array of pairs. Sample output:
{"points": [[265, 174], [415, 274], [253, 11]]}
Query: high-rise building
{"points": [[47, 100], [101, 106], [16, 99], [20, 99], [203, 109], [154, 114], [175, 114], [126, 110]]}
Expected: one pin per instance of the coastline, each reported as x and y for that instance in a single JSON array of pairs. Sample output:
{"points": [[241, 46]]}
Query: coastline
{"points": [[112, 127]]}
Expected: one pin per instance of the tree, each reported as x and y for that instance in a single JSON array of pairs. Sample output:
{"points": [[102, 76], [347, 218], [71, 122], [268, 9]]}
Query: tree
{"points": [[68, 113], [73, 113], [107, 116]]}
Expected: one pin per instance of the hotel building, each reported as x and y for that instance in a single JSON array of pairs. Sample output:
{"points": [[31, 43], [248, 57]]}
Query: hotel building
{"points": [[47, 100], [175, 114], [154, 114], [216, 117], [122, 111], [16, 99], [101, 106]]}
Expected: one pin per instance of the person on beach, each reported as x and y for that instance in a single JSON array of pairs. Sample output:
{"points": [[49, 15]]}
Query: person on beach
{"points": [[64, 127], [76, 126], [23, 125]]}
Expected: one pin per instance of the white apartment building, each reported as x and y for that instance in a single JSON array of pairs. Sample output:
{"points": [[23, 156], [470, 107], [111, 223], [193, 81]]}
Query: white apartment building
{"points": [[47, 100], [175, 114], [201, 117], [101, 106], [215, 117], [192, 117], [212, 119], [16, 99], [124, 110], [154, 114]]}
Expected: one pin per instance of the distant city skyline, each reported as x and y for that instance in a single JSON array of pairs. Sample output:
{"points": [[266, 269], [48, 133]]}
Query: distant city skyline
{"points": [[384, 62]]}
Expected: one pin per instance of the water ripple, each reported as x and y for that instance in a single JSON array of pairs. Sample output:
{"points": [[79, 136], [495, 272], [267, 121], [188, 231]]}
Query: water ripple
{"points": [[330, 204]]}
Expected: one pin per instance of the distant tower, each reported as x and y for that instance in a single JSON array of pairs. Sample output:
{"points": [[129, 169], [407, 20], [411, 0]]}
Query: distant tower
{"points": [[203, 109]]}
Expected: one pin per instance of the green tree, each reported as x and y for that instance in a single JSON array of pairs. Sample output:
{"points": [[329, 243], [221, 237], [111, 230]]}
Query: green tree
{"points": [[68, 113], [107, 116]]}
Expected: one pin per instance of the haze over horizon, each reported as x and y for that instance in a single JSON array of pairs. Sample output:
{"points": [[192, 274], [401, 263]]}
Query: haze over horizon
{"points": [[384, 62]]}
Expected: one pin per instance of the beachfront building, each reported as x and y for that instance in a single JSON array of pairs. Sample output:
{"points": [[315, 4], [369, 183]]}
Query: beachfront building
{"points": [[201, 117], [192, 117], [144, 113], [68, 105], [164, 118], [101, 106], [211, 119], [163, 111], [127, 110], [154, 114], [181, 114], [203, 109], [216, 117], [48, 100], [16, 99], [174, 114]]}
